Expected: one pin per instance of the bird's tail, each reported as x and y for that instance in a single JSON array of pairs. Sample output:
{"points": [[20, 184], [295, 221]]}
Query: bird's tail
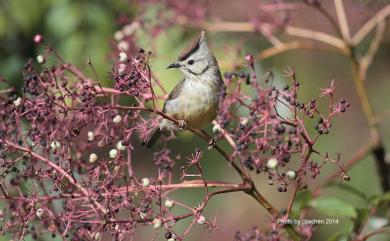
{"points": [[153, 138]]}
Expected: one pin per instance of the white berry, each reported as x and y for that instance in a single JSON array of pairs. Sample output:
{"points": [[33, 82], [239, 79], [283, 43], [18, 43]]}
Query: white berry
{"points": [[291, 174], [272, 163], [169, 203], [121, 68], [145, 182], [97, 236], [91, 135], [118, 36], [122, 56], [123, 45], [55, 145], [18, 101], [216, 129], [157, 223], [40, 59], [244, 121], [93, 158], [201, 220], [120, 147], [39, 212], [117, 119], [113, 153]]}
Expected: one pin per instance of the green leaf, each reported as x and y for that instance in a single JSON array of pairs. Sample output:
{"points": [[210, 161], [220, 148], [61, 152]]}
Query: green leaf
{"points": [[301, 201], [63, 19], [361, 217], [333, 207], [350, 189], [377, 199], [343, 234]]}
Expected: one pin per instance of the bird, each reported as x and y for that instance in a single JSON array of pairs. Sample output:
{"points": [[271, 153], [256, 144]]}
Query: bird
{"points": [[195, 99]]}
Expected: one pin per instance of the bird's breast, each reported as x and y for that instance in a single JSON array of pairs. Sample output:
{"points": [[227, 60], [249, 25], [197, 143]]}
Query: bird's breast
{"points": [[197, 104]]}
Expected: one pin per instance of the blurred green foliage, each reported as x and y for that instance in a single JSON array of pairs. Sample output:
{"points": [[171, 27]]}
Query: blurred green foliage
{"points": [[79, 30], [82, 30]]}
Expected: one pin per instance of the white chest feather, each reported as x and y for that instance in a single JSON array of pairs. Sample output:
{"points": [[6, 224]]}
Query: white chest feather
{"points": [[197, 104]]}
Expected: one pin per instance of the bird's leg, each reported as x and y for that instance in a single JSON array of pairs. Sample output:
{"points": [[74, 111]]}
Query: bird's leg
{"points": [[212, 143], [182, 125]]}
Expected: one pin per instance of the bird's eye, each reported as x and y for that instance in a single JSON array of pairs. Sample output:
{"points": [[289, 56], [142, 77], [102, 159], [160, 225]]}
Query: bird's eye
{"points": [[191, 62]]}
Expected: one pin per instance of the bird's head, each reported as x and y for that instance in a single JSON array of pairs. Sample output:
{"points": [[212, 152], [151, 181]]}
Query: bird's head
{"points": [[196, 60]]}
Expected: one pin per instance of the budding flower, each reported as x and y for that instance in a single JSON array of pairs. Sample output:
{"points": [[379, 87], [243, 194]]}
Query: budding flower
{"points": [[169, 203], [122, 56], [157, 223], [291, 174], [201, 220], [117, 119], [93, 158], [40, 59], [120, 147], [39, 212], [145, 182], [113, 153], [272, 163], [91, 135], [18, 101]]}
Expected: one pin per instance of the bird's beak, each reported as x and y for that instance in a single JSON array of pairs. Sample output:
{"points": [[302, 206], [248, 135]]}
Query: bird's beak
{"points": [[174, 65]]}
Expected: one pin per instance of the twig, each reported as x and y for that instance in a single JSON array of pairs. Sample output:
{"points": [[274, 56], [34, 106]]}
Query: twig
{"points": [[309, 45], [342, 19], [370, 25], [59, 169], [373, 233], [318, 36], [373, 49], [360, 154]]}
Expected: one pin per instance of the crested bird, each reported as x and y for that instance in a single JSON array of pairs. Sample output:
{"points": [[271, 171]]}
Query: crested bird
{"points": [[194, 101]]}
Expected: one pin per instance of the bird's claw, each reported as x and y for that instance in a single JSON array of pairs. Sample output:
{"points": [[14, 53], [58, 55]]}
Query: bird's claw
{"points": [[212, 143], [182, 125]]}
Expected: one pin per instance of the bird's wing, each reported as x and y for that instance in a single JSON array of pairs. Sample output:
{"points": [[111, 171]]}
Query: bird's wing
{"points": [[174, 93]]}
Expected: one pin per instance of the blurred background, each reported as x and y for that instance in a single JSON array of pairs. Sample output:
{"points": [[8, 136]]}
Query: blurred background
{"points": [[82, 30]]}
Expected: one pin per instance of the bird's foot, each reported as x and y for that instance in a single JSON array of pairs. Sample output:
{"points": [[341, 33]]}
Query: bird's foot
{"points": [[212, 143], [182, 125]]}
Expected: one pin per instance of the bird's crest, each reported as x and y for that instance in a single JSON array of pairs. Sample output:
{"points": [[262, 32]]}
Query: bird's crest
{"points": [[193, 47]]}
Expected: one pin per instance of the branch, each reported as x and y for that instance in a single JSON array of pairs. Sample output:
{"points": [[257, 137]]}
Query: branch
{"points": [[58, 169], [123, 190], [318, 36], [363, 152], [272, 51], [342, 19], [373, 49], [250, 27], [373, 233], [370, 25]]}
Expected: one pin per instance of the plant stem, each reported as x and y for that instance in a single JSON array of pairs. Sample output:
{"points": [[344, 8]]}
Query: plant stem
{"points": [[378, 151]]}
